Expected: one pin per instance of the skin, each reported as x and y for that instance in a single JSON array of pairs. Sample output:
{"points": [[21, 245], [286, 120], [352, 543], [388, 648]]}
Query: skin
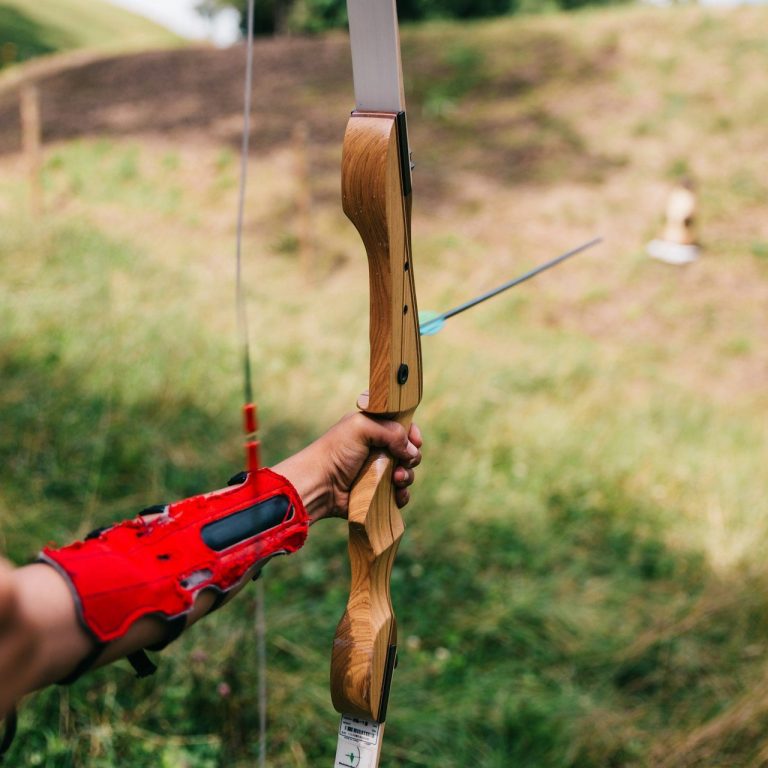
{"points": [[41, 640]]}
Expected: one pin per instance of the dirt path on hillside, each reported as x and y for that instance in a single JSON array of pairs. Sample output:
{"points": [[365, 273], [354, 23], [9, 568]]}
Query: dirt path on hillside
{"points": [[194, 92]]}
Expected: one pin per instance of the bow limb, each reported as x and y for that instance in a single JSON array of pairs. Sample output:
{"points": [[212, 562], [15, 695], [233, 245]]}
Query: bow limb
{"points": [[376, 197]]}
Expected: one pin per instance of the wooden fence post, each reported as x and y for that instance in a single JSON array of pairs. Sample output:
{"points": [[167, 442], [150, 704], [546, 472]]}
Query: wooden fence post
{"points": [[31, 143], [303, 198]]}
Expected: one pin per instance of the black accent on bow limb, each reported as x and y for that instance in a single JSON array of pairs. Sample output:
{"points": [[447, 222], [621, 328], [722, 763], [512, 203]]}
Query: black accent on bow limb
{"points": [[405, 153], [389, 668]]}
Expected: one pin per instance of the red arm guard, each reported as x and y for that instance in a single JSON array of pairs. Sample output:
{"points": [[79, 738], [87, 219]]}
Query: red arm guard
{"points": [[139, 568]]}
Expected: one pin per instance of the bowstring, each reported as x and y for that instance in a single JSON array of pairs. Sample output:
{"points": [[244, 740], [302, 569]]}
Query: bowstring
{"points": [[242, 315], [243, 333]]}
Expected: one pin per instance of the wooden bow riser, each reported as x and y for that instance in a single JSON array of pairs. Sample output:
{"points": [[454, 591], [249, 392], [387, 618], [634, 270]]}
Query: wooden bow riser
{"points": [[366, 637], [374, 200]]}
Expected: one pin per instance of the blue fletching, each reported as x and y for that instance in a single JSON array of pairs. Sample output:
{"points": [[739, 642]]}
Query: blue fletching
{"points": [[430, 322]]}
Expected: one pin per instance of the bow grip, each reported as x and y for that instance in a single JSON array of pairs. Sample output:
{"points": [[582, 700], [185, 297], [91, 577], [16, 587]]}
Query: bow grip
{"points": [[366, 637]]}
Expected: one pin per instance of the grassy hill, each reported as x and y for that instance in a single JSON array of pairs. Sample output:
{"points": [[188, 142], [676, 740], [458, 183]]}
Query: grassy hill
{"points": [[583, 580], [29, 29]]}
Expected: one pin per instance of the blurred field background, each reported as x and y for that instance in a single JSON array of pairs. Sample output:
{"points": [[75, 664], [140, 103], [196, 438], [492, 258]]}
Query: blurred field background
{"points": [[583, 579], [29, 30]]}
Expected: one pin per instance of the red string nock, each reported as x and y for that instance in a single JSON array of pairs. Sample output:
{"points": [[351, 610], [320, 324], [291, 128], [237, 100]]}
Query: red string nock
{"points": [[252, 444]]}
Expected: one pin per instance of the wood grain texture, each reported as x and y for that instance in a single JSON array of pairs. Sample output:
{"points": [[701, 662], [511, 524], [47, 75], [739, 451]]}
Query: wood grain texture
{"points": [[374, 202], [372, 199]]}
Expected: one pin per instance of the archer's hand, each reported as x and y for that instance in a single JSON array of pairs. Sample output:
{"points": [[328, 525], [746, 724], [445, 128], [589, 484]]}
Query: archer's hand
{"points": [[323, 472]]}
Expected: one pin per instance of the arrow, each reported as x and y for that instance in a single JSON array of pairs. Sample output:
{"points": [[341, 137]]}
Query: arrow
{"points": [[431, 323]]}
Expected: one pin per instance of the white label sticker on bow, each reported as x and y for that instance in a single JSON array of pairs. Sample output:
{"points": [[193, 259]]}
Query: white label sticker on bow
{"points": [[358, 744]]}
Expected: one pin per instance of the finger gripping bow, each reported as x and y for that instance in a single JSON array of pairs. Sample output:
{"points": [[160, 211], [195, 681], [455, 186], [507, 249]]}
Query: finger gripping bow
{"points": [[158, 567]]}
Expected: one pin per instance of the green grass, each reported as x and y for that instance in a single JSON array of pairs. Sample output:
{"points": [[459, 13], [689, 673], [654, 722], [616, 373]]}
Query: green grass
{"points": [[541, 599], [28, 29], [582, 582]]}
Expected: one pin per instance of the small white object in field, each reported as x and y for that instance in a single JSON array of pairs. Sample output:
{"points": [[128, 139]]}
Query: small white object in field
{"points": [[677, 244], [672, 253]]}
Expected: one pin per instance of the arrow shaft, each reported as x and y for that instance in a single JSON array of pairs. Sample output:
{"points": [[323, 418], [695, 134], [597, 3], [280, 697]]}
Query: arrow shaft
{"points": [[517, 280]]}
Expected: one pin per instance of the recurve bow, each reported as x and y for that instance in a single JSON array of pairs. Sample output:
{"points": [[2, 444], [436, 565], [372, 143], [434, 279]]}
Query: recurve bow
{"points": [[376, 196]]}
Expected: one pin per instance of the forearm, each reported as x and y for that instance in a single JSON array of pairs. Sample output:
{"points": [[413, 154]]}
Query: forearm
{"points": [[48, 619], [128, 587], [53, 636], [303, 470], [43, 639]]}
